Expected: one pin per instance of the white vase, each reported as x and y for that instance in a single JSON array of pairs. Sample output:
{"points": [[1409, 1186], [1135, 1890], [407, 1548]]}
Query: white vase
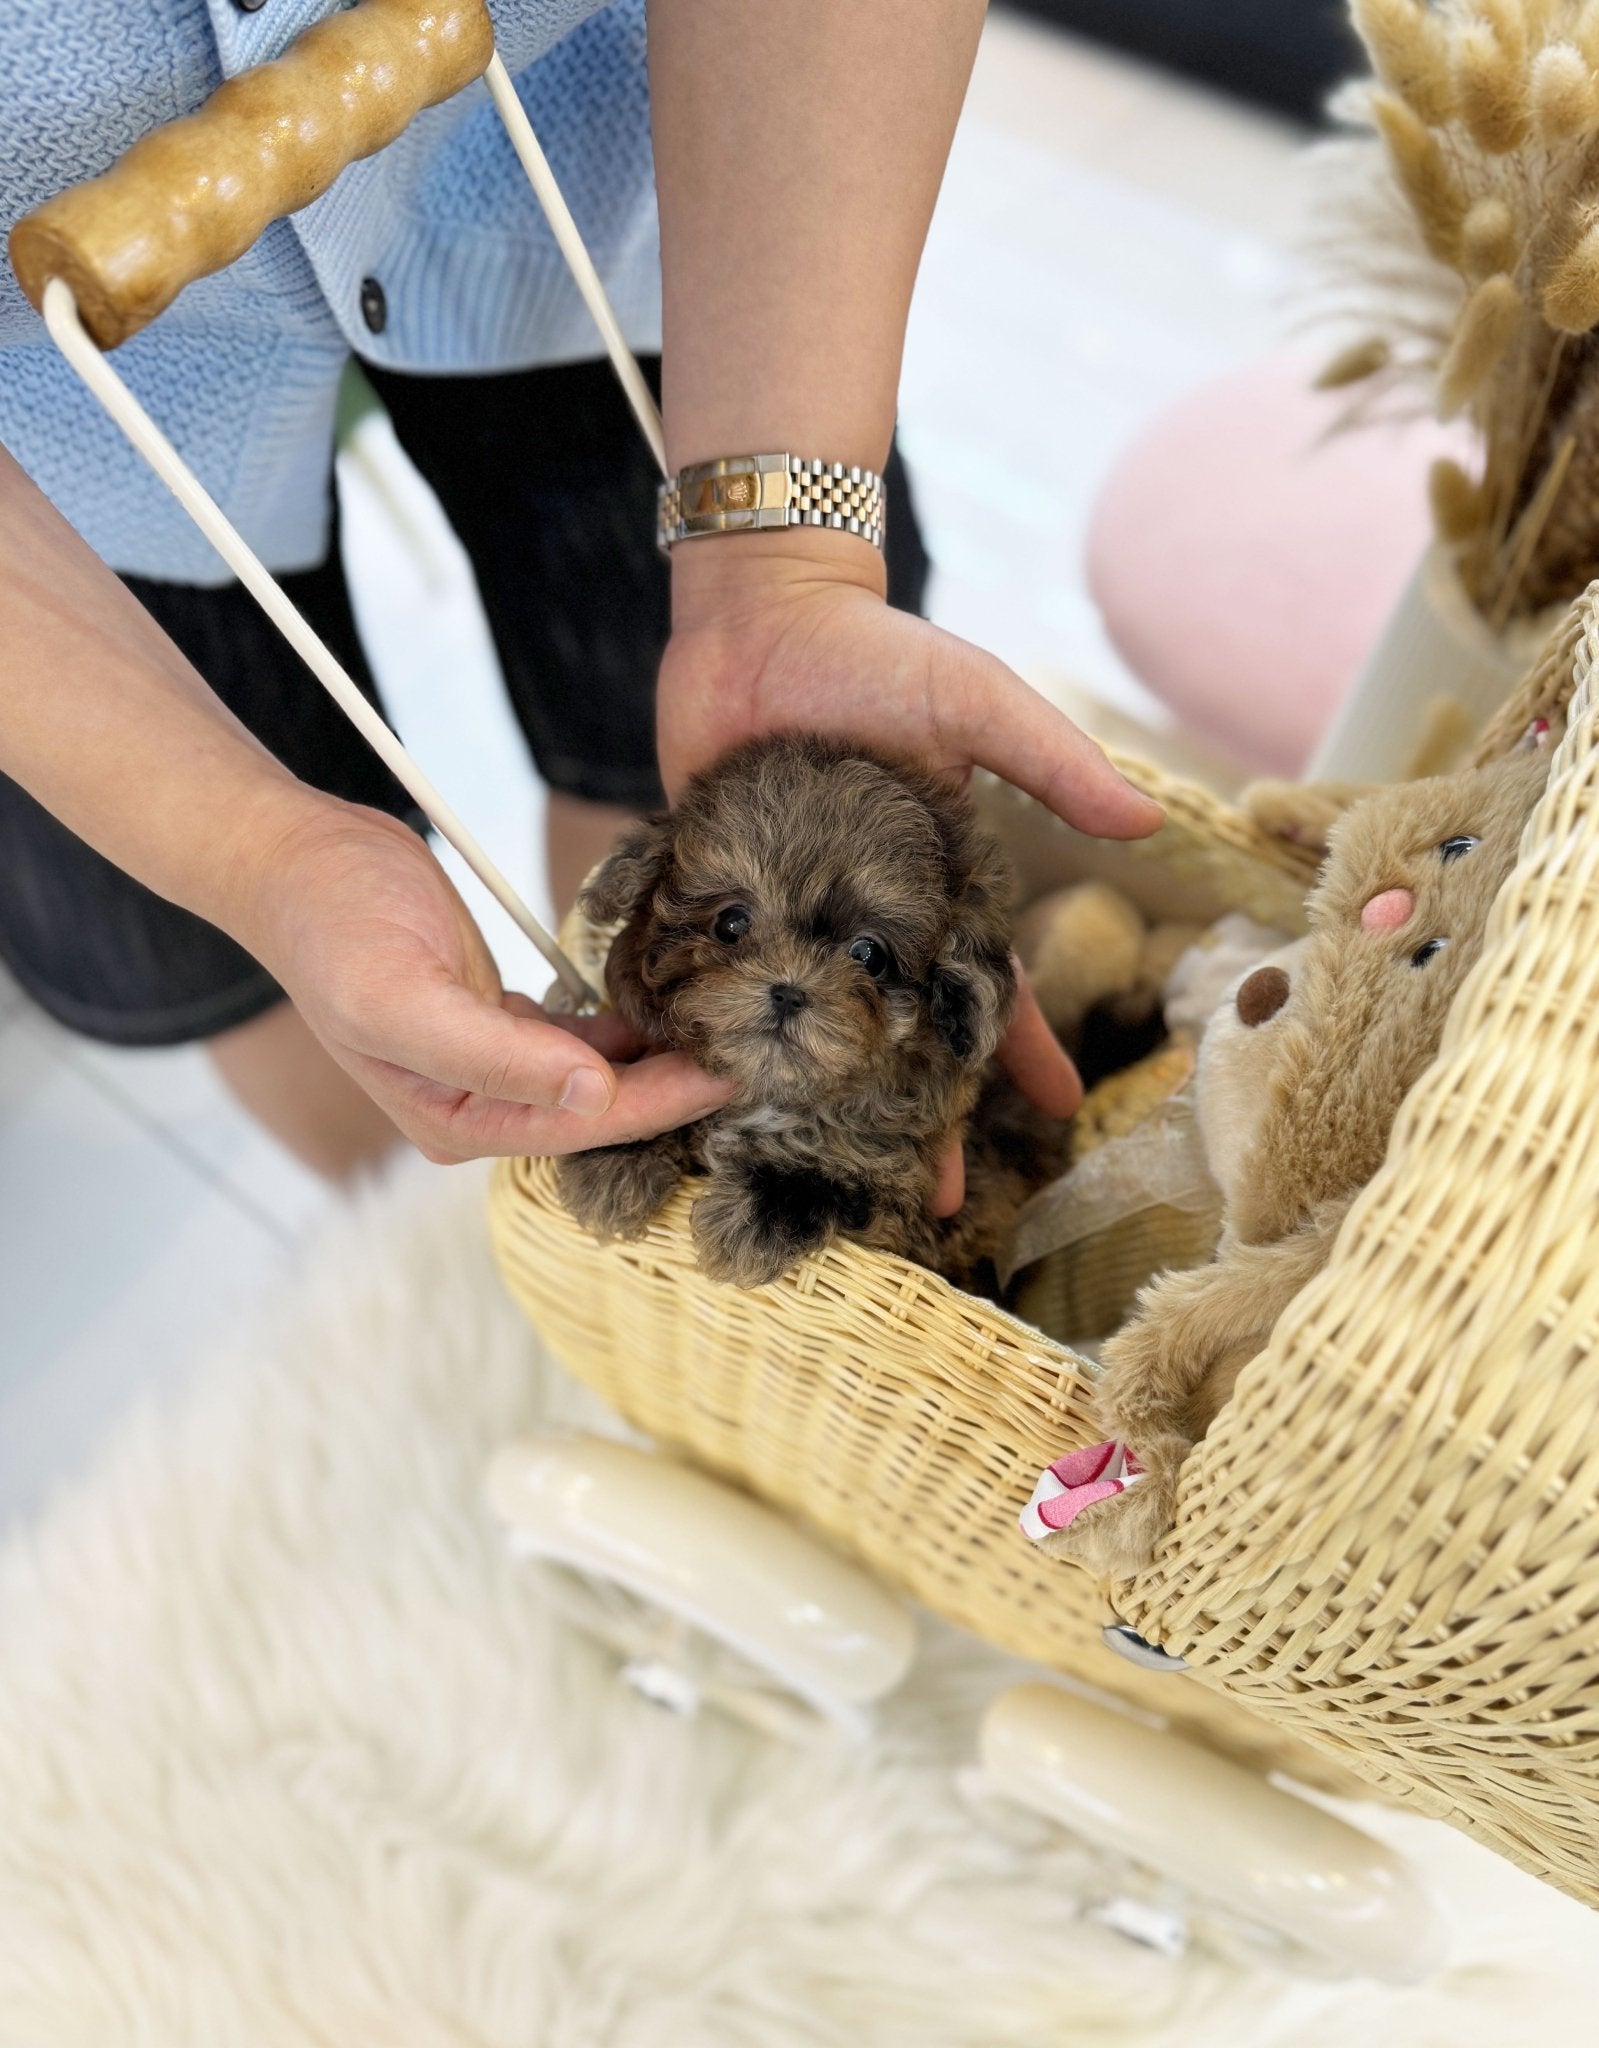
{"points": [[1436, 645]]}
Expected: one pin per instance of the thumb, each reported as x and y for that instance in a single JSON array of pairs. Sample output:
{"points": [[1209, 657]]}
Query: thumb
{"points": [[451, 1036]]}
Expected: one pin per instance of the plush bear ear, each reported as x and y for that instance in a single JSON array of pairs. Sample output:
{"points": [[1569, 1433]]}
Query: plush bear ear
{"points": [[622, 882]]}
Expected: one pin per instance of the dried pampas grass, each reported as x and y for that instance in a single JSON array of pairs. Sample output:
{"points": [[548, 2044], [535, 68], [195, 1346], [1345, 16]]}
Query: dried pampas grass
{"points": [[1458, 506], [1480, 343], [1488, 238], [1562, 93], [1461, 248], [1571, 297], [1410, 54]]}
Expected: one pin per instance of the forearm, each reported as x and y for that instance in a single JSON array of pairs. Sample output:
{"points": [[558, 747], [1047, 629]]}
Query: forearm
{"points": [[105, 723], [799, 147]]}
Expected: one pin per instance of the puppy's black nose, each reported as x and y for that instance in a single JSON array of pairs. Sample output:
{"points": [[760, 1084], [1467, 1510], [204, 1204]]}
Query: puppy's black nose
{"points": [[787, 997]]}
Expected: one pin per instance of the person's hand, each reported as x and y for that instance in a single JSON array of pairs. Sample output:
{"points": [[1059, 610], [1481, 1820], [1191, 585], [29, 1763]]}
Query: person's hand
{"points": [[790, 632], [362, 927]]}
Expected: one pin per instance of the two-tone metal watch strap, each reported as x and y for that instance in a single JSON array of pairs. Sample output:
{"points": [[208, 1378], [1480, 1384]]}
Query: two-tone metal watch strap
{"points": [[746, 493]]}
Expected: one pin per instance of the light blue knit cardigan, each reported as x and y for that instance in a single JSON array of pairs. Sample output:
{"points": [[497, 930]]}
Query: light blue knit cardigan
{"points": [[243, 369]]}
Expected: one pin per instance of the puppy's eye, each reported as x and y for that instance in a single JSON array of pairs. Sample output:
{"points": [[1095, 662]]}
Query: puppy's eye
{"points": [[871, 954], [1455, 849], [731, 924], [1428, 952]]}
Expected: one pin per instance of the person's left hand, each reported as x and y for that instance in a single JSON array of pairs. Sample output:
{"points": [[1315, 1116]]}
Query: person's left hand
{"points": [[789, 631]]}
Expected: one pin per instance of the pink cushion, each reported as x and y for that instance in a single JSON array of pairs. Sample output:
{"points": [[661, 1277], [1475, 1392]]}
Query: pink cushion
{"points": [[1245, 559]]}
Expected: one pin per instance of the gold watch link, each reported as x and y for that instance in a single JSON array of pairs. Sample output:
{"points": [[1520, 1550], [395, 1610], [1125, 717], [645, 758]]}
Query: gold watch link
{"points": [[749, 493]]}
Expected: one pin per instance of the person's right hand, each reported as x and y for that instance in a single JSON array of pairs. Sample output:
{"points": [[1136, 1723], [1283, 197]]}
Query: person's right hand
{"points": [[360, 924]]}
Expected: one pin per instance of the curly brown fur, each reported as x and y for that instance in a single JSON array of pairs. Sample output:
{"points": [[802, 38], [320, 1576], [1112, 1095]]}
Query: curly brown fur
{"points": [[1299, 1084], [852, 1069]]}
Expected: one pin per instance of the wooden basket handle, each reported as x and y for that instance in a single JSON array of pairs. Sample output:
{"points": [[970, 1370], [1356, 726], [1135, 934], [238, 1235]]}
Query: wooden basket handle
{"points": [[191, 197]]}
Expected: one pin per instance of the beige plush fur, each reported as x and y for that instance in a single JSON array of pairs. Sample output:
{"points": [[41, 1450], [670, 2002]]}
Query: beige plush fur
{"points": [[1299, 1081], [1087, 947], [1079, 945]]}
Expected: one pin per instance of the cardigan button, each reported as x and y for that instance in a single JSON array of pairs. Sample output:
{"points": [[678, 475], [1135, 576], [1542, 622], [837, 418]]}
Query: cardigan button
{"points": [[374, 306], [249, 6]]}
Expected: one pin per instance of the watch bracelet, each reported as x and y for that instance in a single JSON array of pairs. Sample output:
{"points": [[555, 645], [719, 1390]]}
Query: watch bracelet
{"points": [[755, 493]]}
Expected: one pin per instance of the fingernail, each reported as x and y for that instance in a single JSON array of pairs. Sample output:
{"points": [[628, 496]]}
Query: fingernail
{"points": [[585, 1093]]}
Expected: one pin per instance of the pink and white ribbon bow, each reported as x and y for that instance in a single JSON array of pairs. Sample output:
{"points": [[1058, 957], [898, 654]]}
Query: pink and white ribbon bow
{"points": [[1097, 1472]]}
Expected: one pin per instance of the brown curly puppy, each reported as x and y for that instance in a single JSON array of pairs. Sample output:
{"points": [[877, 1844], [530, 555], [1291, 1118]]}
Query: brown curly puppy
{"points": [[828, 929]]}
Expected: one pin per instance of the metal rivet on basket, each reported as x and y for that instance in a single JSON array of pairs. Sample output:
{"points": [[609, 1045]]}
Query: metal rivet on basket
{"points": [[1128, 1643]]}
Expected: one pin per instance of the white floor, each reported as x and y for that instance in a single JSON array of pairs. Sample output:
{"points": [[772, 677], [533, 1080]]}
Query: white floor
{"points": [[1106, 238]]}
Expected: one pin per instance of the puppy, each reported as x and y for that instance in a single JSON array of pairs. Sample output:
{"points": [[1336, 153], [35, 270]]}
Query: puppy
{"points": [[827, 928]]}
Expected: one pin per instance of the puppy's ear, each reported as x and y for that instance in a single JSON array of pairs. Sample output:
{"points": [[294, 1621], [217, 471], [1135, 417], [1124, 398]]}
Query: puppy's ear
{"points": [[622, 882], [972, 983], [970, 999]]}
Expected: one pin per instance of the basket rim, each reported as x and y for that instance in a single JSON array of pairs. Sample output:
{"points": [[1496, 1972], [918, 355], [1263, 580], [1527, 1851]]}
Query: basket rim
{"points": [[538, 1175]]}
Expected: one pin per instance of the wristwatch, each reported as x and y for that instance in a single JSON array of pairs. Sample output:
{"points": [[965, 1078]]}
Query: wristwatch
{"points": [[745, 493]]}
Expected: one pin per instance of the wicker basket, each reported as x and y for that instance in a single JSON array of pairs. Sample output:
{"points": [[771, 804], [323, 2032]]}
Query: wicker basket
{"points": [[1387, 1550]]}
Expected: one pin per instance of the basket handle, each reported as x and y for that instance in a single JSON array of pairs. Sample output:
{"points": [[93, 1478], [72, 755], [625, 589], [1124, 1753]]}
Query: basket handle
{"points": [[193, 195]]}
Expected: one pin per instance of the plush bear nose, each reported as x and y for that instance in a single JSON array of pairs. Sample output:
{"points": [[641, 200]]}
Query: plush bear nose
{"points": [[1388, 911], [1261, 995], [787, 997]]}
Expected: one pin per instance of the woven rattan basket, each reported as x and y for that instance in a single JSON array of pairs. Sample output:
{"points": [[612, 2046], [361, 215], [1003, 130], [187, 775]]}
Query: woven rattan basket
{"points": [[1387, 1550]]}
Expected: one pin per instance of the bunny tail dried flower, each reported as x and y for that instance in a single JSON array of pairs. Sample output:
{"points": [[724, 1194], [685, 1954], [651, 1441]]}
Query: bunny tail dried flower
{"points": [[1409, 53], [1460, 247], [1562, 93]]}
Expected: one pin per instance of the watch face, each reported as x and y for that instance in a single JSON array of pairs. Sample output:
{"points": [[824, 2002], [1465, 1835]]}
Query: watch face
{"points": [[722, 494], [707, 496]]}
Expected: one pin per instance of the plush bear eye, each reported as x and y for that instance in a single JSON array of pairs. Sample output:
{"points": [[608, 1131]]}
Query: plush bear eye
{"points": [[1454, 849], [872, 954], [1425, 953], [731, 924]]}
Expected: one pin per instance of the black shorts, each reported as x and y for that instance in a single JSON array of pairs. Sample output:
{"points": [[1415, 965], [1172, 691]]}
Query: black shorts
{"points": [[545, 478]]}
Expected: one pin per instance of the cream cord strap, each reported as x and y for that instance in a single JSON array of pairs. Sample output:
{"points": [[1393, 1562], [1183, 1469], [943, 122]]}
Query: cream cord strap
{"points": [[66, 330], [68, 333], [519, 128]]}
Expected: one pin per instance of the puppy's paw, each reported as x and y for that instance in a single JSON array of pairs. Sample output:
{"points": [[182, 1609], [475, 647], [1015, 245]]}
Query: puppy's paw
{"points": [[616, 1191], [1105, 1507], [740, 1253], [750, 1228], [735, 1242]]}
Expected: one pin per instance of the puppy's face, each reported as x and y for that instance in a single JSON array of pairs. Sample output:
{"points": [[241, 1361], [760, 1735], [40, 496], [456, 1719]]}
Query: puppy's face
{"points": [[811, 922]]}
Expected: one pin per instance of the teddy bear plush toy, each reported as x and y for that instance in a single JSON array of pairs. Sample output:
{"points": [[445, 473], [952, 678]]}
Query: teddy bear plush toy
{"points": [[1301, 1073], [1087, 948]]}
